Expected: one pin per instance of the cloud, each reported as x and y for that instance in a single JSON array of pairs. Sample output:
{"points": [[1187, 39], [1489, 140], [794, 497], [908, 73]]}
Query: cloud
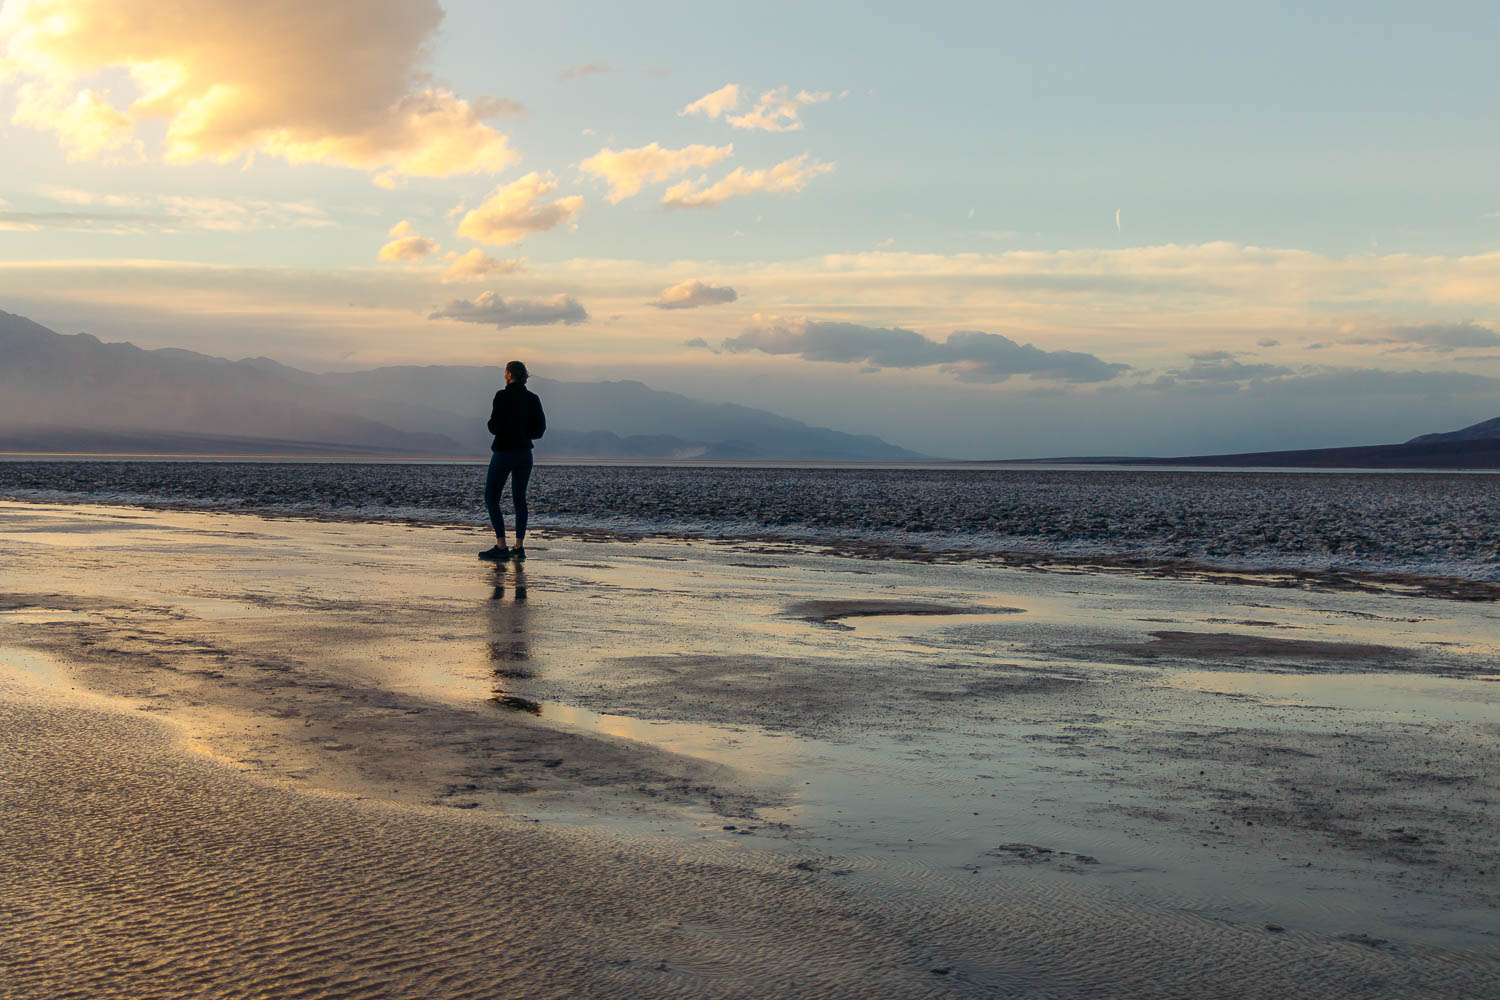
{"points": [[726, 98], [487, 107], [629, 169], [700, 343], [477, 264], [1268, 342], [407, 245], [514, 211], [785, 178], [1440, 337], [969, 355], [91, 125], [693, 293], [1219, 366], [776, 111], [337, 83], [584, 69], [1274, 385], [490, 308], [411, 248], [1361, 383], [120, 214]]}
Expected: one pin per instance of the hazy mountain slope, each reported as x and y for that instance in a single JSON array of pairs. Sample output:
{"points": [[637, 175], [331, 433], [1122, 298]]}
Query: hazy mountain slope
{"points": [[75, 389], [626, 408], [1484, 430], [78, 383]]}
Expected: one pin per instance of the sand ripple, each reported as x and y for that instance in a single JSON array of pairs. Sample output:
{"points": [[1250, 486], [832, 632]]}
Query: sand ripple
{"points": [[130, 868]]}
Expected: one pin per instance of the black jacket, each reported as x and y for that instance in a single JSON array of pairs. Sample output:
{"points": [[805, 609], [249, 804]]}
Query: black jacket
{"points": [[515, 418]]}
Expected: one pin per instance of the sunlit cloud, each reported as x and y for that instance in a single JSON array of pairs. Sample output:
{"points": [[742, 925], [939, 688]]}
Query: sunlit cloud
{"points": [[495, 310], [628, 170], [969, 355], [91, 125], [1143, 306], [787, 177], [693, 293], [514, 211], [89, 211], [777, 111], [337, 83], [477, 264], [407, 245], [725, 99]]}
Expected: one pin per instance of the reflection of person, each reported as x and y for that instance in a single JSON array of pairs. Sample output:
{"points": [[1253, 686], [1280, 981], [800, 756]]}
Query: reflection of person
{"points": [[509, 646], [516, 419]]}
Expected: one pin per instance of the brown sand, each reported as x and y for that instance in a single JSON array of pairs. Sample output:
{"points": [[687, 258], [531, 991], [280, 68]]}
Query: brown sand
{"points": [[247, 757]]}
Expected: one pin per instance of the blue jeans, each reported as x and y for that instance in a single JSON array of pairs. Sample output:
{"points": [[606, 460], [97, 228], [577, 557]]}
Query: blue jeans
{"points": [[517, 465]]}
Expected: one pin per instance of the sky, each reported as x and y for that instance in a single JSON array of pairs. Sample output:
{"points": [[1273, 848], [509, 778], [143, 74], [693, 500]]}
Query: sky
{"points": [[977, 230]]}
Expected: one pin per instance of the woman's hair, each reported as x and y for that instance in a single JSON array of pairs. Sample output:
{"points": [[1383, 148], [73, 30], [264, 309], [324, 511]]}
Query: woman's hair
{"points": [[516, 370]]}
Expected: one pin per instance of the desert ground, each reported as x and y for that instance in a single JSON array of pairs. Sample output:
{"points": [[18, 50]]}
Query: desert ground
{"points": [[248, 756]]}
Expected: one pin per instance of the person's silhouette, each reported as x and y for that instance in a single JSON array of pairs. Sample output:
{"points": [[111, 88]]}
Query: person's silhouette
{"points": [[516, 419]]}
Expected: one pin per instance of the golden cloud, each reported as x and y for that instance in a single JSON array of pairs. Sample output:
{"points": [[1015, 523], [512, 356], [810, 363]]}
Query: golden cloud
{"points": [[337, 82], [726, 98], [477, 264], [407, 245], [777, 110], [630, 169], [786, 177], [693, 293], [514, 211]]}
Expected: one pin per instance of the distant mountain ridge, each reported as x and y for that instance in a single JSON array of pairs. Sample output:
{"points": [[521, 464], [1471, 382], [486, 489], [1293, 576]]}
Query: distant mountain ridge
{"points": [[1483, 431], [1474, 447], [75, 393]]}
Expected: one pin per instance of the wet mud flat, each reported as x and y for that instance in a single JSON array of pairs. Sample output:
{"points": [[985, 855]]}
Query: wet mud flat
{"points": [[307, 758]]}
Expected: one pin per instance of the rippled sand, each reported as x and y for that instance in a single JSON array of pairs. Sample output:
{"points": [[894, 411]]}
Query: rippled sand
{"points": [[245, 757]]}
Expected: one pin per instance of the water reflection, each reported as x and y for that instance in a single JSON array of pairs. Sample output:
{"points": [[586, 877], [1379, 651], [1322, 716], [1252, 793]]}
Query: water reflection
{"points": [[509, 640]]}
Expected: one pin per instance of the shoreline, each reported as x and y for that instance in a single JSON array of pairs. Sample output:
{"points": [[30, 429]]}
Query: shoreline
{"points": [[1024, 756], [1257, 572]]}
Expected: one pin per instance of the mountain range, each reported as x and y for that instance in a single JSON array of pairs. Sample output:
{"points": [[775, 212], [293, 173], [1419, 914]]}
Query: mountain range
{"points": [[77, 394], [1474, 447]]}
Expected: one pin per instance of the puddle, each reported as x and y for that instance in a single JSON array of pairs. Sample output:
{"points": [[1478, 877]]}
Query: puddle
{"points": [[1389, 695], [889, 813], [31, 668], [50, 616], [223, 609], [911, 626]]}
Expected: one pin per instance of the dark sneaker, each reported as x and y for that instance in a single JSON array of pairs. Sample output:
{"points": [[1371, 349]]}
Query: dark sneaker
{"points": [[518, 554], [495, 554]]}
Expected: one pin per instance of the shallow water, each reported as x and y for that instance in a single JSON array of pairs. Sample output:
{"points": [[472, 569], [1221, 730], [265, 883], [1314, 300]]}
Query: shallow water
{"points": [[1029, 785], [1431, 524]]}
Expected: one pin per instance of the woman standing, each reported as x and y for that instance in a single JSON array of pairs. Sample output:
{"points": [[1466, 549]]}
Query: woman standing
{"points": [[516, 419]]}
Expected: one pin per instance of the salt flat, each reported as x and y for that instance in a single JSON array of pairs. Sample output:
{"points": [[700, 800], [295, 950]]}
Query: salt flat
{"points": [[334, 758]]}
